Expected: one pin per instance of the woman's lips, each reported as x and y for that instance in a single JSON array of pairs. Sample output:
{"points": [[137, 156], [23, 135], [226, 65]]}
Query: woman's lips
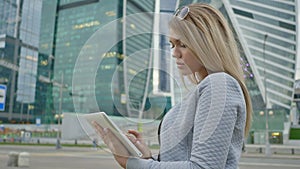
{"points": [[180, 65]]}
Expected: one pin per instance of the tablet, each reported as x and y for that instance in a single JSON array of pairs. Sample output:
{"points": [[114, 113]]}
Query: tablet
{"points": [[102, 119]]}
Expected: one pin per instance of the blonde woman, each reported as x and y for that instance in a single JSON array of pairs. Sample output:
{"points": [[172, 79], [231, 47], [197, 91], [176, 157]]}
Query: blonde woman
{"points": [[207, 129]]}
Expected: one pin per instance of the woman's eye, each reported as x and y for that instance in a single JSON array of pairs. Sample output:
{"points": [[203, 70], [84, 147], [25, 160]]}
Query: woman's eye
{"points": [[182, 45], [179, 44], [171, 46]]}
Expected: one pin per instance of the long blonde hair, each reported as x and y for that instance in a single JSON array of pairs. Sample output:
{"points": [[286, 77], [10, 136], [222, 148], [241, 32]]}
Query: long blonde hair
{"points": [[207, 34]]}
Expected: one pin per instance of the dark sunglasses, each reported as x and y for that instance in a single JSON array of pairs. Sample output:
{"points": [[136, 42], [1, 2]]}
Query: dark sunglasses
{"points": [[182, 12]]}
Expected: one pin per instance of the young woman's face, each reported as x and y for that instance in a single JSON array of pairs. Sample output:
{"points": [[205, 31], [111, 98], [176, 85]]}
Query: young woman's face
{"points": [[185, 59]]}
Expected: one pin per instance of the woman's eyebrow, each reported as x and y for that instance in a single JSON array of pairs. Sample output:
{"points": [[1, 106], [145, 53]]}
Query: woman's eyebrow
{"points": [[174, 41]]}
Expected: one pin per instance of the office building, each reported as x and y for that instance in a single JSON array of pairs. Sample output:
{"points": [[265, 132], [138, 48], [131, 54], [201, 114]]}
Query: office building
{"points": [[19, 32], [266, 31], [94, 59], [41, 47]]}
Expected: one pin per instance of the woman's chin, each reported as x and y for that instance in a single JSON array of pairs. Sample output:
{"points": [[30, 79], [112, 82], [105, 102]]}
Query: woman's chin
{"points": [[185, 73]]}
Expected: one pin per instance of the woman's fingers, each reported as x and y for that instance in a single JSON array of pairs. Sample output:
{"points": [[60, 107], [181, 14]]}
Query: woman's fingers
{"points": [[109, 138], [135, 133], [136, 138], [100, 130], [131, 138], [103, 133]]}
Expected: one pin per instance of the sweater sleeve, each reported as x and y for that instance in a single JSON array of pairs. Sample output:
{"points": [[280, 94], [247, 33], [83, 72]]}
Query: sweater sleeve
{"points": [[214, 123]]}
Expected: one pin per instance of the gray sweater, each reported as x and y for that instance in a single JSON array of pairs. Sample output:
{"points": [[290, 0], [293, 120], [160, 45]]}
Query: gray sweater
{"points": [[206, 130]]}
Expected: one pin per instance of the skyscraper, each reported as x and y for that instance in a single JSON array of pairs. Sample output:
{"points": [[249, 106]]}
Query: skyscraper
{"points": [[19, 29], [101, 57], [266, 31], [41, 47]]}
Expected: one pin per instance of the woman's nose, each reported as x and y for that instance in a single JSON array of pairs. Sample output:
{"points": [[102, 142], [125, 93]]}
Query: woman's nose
{"points": [[176, 53]]}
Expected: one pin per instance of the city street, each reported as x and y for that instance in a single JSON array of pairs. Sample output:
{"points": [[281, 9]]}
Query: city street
{"points": [[89, 158], [275, 162]]}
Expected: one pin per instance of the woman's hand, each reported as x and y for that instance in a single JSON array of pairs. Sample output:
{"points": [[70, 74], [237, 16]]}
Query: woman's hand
{"points": [[136, 138], [119, 151]]}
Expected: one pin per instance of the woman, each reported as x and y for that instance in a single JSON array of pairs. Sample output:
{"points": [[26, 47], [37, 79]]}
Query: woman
{"points": [[207, 129]]}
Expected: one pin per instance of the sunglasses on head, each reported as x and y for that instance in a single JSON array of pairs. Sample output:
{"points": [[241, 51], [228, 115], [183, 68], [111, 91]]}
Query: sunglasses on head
{"points": [[182, 12]]}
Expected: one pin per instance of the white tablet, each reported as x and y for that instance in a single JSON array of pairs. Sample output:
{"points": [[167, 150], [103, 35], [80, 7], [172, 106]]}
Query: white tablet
{"points": [[102, 119]]}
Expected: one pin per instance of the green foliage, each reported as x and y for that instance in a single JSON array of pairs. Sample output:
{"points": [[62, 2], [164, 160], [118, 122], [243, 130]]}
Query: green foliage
{"points": [[295, 133]]}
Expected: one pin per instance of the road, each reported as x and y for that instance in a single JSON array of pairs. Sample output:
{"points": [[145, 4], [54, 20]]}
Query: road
{"points": [[89, 158], [276, 162]]}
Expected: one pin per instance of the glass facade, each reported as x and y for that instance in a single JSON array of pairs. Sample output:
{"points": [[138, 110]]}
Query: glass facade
{"points": [[74, 26], [44, 108], [8, 62], [71, 24], [73, 54], [165, 58], [137, 48], [8, 70], [28, 33], [270, 35], [267, 35], [19, 26], [8, 17], [272, 60], [40, 52]]}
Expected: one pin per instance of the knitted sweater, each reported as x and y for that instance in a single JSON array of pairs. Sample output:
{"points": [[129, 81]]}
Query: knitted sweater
{"points": [[205, 130]]}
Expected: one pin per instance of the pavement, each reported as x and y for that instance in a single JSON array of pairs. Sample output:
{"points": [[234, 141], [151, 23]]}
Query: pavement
{"points": [[275, 149], [48, 157]]}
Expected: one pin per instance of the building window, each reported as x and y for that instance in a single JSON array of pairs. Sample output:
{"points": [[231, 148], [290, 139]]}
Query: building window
{"points": [[243, 13], [287, 26]]}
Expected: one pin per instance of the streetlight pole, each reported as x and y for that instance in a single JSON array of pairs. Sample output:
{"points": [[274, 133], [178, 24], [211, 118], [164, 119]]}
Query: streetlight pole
{"points": [[59, 115], [58, 145], [267, 148]]}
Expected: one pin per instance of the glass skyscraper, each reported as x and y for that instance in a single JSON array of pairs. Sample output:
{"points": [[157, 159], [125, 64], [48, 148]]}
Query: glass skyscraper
{"points": [[19, 32], [49, 65], [266, 31], [67, 26], [267, 34], [101, 58]]}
